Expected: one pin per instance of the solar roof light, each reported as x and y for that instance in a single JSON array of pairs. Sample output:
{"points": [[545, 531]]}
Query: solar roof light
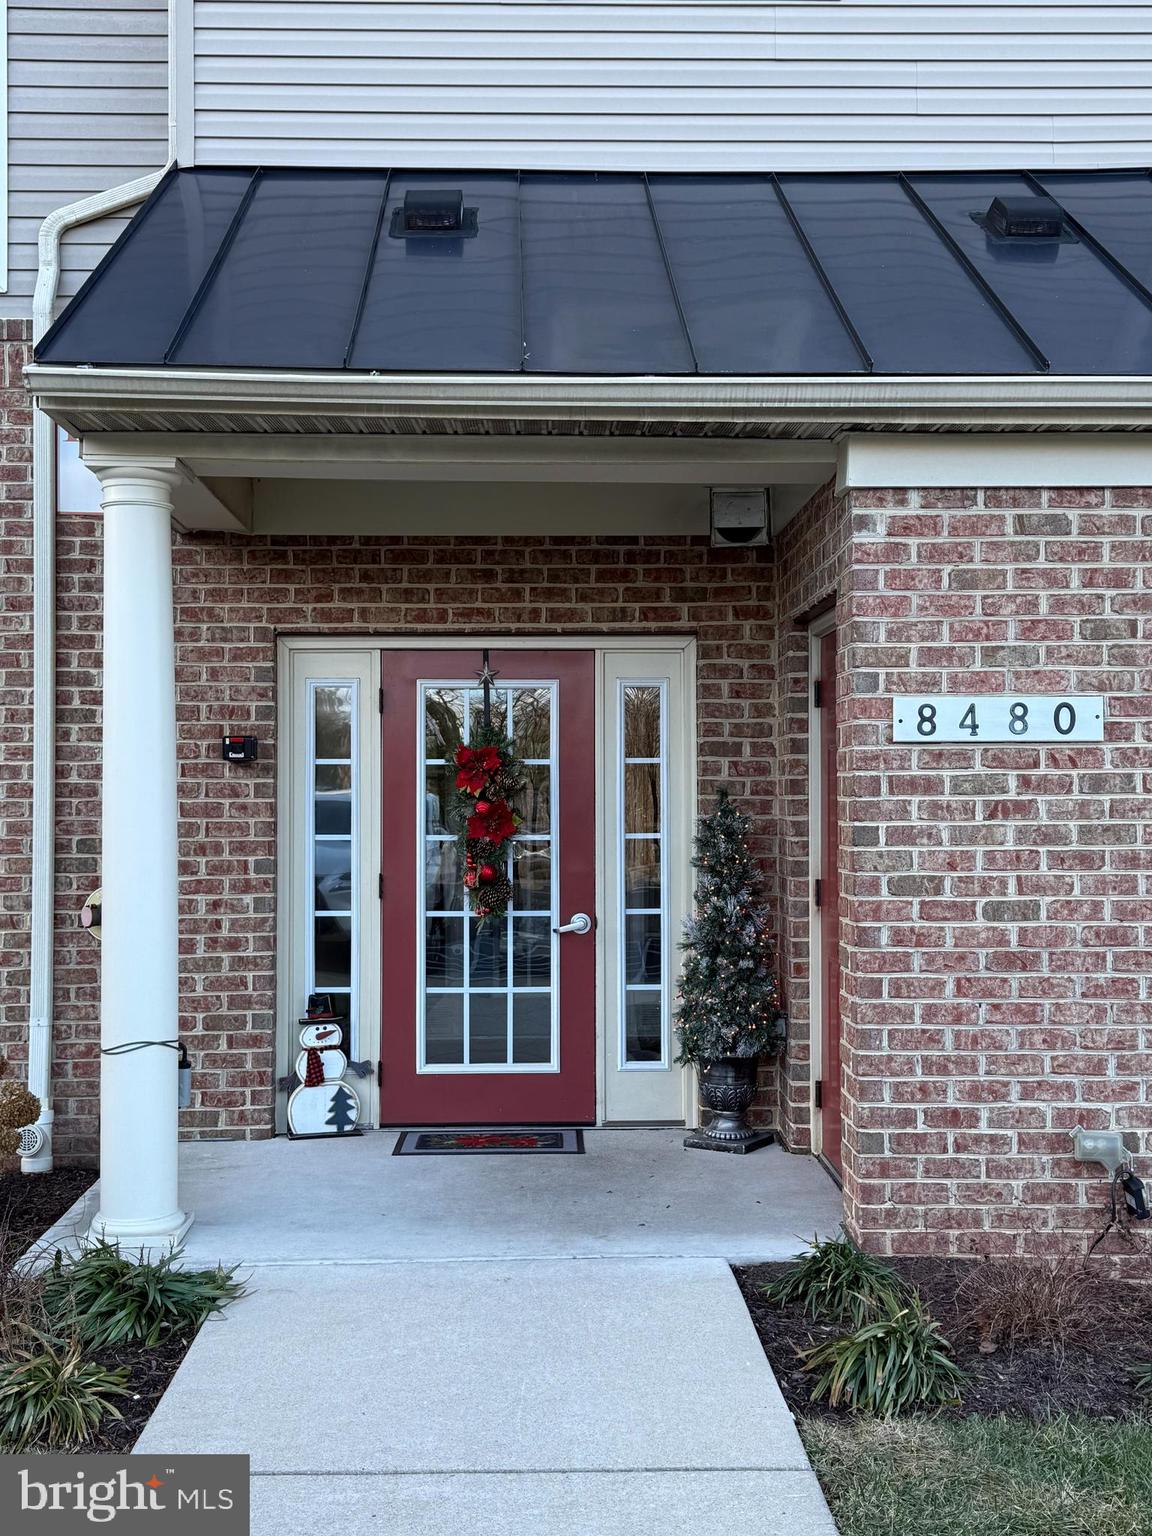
{"points": [[432, 213], [1025, 218]]}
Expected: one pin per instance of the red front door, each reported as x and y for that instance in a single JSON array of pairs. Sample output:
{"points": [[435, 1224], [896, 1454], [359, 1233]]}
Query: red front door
{"points": [[830, 907], [491, 1024]]}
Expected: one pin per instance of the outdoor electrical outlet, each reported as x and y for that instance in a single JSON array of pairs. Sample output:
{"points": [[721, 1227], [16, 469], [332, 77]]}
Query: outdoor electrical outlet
{"points": [[1105, 1147]]}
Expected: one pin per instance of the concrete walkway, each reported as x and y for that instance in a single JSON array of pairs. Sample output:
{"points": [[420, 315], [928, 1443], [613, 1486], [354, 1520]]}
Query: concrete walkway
{"points": [[496, 1346], [592, 1397]]}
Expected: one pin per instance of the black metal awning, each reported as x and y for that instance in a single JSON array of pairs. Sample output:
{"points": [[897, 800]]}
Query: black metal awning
{"points": [[625, 274]]}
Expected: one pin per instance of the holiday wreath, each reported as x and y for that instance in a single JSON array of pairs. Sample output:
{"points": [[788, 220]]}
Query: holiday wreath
{"points": [[487, 776]]}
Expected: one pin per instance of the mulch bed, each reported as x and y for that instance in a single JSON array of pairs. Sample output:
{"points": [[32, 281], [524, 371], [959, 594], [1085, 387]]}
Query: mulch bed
{"points": [[1031, 1381], [29, 1205], [149, 1372]]}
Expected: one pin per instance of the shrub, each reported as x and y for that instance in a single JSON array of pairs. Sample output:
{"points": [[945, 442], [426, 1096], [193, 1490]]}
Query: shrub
{"points": [[1012, 1301], [835, 1280], [107, 1299], [52, 1395], [18, 1108], [892, 1364]]}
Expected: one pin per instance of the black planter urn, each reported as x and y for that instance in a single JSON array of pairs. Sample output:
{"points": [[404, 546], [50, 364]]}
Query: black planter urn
{"points": [[727, 1088]]}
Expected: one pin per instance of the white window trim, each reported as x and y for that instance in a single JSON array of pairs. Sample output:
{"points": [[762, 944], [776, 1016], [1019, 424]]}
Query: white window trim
{"points": [[311, 914], [645, 1094], [620, 854], [300, 667]]}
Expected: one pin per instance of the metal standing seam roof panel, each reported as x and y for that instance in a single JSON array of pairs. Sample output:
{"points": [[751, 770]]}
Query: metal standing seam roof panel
{"points": [[1083, 316], [621, 274], [1115, 209], [434, 306], [598, 295]]}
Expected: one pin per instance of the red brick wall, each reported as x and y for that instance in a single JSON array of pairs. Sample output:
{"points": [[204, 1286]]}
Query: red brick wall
{"points": [[15, 690], [813, 565], [997, 903], [233, 596], [998, 972]]}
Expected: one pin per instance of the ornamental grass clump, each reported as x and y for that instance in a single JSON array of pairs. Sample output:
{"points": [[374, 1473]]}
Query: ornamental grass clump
{"points": [[893, 1364], [106, 1299], [1014, 1301], [834, 1280], [729, 996], [1142, 1378], [50, 1395]]}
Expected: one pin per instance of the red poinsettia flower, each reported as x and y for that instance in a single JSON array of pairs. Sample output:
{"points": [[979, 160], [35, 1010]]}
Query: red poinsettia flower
{"points": [[476, 766], [497, 826], [472, 780]]}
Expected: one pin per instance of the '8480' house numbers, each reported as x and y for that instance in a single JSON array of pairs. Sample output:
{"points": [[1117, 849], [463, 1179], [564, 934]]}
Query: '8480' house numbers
{"points": [[946, 718]]}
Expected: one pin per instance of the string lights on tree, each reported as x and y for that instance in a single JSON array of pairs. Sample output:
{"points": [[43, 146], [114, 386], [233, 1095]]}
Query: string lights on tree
{"points": [[729, 993], [729, 1012]]}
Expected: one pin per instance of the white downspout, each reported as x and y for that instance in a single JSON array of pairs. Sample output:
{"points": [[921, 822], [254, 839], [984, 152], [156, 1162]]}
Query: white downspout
{"points": [[38, 1141]]}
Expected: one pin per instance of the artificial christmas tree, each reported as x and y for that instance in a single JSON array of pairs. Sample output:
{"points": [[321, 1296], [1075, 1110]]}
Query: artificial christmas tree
{"points": [[729, 1012]]}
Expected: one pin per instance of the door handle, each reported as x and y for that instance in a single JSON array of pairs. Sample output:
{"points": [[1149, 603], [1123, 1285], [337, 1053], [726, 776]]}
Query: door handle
{"points": [[579, 922]]}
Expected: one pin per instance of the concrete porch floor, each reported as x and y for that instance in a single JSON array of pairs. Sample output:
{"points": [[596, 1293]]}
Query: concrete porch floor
{"points": [[633, 1194]]}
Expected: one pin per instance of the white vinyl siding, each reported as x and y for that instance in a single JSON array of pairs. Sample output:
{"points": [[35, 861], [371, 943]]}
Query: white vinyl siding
{"points": [[698, 85], [87, 110]]}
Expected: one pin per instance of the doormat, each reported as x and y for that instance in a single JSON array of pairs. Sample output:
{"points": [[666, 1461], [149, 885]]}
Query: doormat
{"points": [[438, 1143]]}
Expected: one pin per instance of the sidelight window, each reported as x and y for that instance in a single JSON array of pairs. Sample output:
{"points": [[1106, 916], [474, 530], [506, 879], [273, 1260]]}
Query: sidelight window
{"points": [[333, 846], [642, 866]]}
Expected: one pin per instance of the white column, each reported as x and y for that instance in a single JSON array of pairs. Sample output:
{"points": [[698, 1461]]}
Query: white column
{"points": [[139, 1202]]}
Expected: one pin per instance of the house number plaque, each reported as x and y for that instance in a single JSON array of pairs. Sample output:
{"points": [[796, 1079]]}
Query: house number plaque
{"points": [[1003, 717]]}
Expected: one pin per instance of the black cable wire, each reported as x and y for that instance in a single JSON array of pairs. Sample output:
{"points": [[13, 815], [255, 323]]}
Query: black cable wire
{"points": [[1114, 1211], [136, 1045]]}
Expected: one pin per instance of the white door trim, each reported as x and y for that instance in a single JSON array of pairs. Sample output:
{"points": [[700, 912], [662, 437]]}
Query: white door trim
{"points": [[392, 642], [292, 653], [820, 627]]}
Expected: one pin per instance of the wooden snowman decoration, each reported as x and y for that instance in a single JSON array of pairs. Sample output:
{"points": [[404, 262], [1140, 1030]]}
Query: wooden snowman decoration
{"points": [[322, 1104]]}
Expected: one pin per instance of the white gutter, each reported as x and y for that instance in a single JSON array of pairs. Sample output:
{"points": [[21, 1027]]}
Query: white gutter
{"points": [[853, 400], [37, 1157]]}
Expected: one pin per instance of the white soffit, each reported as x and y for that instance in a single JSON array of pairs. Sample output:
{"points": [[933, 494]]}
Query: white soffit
{"points": [[936, 460]]}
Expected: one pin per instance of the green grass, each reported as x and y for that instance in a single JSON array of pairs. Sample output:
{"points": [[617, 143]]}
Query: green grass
{"points": [[985, 1477]]}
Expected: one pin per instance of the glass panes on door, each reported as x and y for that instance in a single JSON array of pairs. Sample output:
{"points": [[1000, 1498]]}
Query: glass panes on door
{"points": [[333, 813], [487, 990], [642, 860]]}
